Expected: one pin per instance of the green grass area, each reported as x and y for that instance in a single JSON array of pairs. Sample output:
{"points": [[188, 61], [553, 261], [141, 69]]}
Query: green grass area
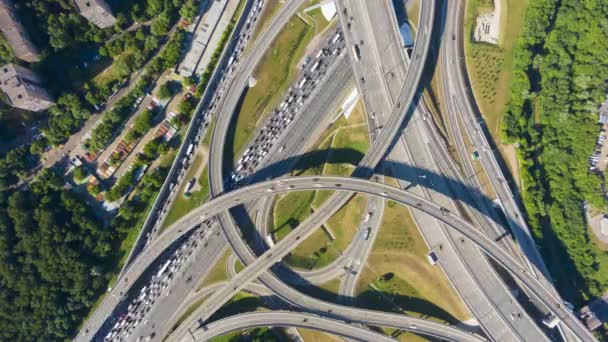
{"points": [[320, 249], [242, 302], [276, 71], [491, 67], [182, 205], [257, 334], [309, 335], [398, 277], [352, 142], [218, 272], [316, 17], [290, 210], [239, 266]]}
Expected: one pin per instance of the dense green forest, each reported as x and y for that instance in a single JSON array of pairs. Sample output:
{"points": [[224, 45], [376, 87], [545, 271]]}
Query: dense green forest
{"points": [[52, 257], [56, 256], [558, 83]]}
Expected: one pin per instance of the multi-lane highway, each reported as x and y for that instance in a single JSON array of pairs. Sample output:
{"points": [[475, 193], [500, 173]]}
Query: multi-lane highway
{"points": [[287, 319], [248, 193], [473, 277], [387, 84], [374, 155]]}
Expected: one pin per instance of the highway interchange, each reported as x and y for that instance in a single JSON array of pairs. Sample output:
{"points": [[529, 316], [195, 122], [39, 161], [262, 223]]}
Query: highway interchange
{"points": [[389, 84]]}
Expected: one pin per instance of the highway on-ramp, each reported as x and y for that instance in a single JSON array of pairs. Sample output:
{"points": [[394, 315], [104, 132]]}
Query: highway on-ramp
{"points": [[287, 319]]}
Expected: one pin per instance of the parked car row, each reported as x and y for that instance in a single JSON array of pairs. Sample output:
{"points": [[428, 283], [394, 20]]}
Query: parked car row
{"points": [[312, 73], [594, 158]]}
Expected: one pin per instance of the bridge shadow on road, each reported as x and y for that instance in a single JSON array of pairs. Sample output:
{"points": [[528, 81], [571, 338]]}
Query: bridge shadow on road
{"points": [[412, 175]]}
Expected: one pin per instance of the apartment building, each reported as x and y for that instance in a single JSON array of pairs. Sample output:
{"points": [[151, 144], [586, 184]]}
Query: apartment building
{"points": [[15, 33], [96, 11], [23, 88]]}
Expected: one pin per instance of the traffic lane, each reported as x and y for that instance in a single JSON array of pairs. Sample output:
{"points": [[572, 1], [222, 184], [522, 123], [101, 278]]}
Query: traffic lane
{"points": [[516, 220], [221, 297], [382, 14], [375, 210], [348, 184], [285, 319], [159, 318], [392, 58], [227, 105]]}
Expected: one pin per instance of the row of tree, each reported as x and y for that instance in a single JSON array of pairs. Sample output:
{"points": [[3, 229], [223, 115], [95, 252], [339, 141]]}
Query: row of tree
{"points": [[115, 117], [561, 70]]}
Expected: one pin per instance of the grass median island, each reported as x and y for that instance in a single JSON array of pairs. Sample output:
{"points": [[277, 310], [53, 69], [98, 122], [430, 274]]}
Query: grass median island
{"points": [[341, 147], [258, 334], [327, 291], [218, 272], [183, 205], [309, 335], [491, 67], [321, 249], [398, 276], [275, 73]]}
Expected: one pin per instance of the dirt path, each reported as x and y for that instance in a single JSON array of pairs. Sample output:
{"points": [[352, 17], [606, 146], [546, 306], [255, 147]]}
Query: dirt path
{"points": [[202, 151]]}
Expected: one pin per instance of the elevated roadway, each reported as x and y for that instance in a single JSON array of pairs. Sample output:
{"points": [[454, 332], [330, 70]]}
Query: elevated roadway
{"points": [[258, 267], [375, 154], [462, 106], [287, 319], [492, 303]]}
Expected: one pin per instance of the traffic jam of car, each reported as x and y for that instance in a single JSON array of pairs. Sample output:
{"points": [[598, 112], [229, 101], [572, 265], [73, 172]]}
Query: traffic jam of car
{"points": [[201, 121], [312, 73], [136, 311]]}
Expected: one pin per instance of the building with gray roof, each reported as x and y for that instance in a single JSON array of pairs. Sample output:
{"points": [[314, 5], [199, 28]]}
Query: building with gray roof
{"points": [[96, 11], [15, 34], [23, 88]]}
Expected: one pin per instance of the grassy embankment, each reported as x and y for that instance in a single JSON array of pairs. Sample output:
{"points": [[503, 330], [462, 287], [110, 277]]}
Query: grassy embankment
{"points": [[340, 148], [218, 273], [275, 73], [398, 276], [309, 335], [491, 67], [274, 334]]}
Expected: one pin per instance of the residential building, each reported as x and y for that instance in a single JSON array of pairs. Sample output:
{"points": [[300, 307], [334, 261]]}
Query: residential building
{"points": [[96, 11], [23, 88], [15, 34]]}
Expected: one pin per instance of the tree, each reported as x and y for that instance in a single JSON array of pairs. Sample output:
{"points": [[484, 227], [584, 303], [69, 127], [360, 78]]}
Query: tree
{"points": [[189, 9], [186, 106], [143, 123], [94, 189], [50, 242], [164, 91], [154, 7], [79, 173], [38, 146], [124, 65], [189, 81], [160, 25]]}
